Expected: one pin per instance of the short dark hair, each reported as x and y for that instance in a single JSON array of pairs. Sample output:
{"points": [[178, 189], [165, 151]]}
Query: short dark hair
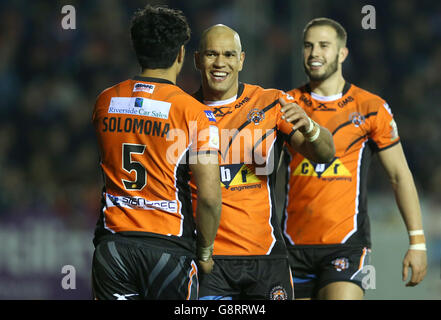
{"points": [[341, 32], [157, 35]]}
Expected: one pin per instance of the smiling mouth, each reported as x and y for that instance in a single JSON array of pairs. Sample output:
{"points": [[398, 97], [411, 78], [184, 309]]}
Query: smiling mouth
{"points": [[315, 65], [219, 75]]}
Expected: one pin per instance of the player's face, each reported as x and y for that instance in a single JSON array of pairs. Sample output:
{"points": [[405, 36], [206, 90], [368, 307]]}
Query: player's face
{"points": [[321, 58], [220, 62]]}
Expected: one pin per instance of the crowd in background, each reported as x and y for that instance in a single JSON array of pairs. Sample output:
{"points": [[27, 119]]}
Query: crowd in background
{"points": [[50, 78]]}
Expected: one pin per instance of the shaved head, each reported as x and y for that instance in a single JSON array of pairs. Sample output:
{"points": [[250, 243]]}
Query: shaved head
{"points": [[219, 60], [219, 30]]}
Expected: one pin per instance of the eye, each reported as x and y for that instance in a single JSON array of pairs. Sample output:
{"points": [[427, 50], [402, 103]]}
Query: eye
{"points": [[210, 54]]}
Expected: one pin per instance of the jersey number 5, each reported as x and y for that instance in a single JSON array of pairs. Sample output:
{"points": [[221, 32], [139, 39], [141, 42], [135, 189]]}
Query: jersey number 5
{"points": [[129, 165]]}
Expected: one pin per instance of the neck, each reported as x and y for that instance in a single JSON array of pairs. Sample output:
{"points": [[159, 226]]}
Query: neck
{"points": [[329, 87], [214, 95], [167, 74]]}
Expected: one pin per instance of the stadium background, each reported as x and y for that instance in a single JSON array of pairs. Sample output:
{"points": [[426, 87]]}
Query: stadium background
{"points": [[49, 79]]}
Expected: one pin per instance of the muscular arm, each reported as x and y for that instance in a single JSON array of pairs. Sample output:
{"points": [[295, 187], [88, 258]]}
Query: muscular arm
{"points": [[206, 175], [406, 197], [322, 149]]}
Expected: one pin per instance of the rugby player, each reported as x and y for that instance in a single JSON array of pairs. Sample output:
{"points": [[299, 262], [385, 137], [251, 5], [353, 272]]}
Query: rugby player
{"points": [[325, 223], [249, 252], [145, 246]]}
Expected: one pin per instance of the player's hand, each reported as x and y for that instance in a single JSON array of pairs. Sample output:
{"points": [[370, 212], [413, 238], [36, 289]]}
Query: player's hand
{"points": [[206, 266], [417, 261], [293, 113]]}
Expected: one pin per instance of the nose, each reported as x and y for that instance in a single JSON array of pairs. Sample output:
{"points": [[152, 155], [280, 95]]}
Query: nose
{"points": [[219, 61], [315, 50]]}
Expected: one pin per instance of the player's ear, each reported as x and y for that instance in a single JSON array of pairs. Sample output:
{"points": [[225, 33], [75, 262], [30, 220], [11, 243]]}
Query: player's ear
{"points": [[196, 60], [181, 55], [342, 54], [242, 59]]}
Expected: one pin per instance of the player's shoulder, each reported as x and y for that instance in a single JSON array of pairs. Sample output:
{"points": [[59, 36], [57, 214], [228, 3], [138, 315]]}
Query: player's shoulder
{"points": [[190, 107], [364, 95], [186, 100], [180, 95], [259, 90], [268, 94], [299, 91], [368, 100], [116, 90]]}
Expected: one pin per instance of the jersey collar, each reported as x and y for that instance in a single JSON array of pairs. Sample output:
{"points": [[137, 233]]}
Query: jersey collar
{"points": [[200, 97], [334, 97], [150, 79]]}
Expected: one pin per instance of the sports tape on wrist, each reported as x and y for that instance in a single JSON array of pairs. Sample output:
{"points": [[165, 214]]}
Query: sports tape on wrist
{"points": [[315, 136], [418, 246], [416, 232], [311, 126], [204, 253]]}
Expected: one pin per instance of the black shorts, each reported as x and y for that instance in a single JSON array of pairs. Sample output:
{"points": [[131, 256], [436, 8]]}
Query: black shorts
{"points": [[126, 269], [247, 279], [315, 267]]}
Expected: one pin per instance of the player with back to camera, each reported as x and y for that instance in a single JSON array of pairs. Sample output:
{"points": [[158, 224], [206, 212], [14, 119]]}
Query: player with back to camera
{"points": [[249, 253], [145, 243], [325, 224]]}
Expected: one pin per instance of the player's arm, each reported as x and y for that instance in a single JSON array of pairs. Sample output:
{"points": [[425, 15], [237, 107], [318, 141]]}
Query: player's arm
{"points": [[205, 169], [310, 139], [406, 196]]}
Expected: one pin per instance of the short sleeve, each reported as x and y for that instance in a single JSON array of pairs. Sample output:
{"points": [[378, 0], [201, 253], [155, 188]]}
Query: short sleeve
{"points": [[384, 131]]}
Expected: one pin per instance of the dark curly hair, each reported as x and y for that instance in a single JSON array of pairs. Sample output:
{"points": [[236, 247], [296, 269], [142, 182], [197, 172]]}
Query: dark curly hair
{"points": [[157, 35]]}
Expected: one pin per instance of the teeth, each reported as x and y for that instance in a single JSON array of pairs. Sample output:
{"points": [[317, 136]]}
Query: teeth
{"points": [[219, 74], [316, 64]]}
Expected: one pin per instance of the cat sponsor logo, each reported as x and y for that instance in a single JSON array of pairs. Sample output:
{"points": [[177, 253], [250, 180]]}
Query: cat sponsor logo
{"points": [[335, 170]]}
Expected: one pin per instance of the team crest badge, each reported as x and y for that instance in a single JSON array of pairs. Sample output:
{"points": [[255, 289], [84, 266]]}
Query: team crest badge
{"points": [[256, 116], [340, 264], [357, 119], [278, 293]]}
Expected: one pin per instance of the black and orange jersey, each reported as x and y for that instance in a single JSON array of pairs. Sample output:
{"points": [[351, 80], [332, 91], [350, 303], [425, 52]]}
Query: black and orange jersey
{"points": [[251, 134], [146, 128], [326, 203]]}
